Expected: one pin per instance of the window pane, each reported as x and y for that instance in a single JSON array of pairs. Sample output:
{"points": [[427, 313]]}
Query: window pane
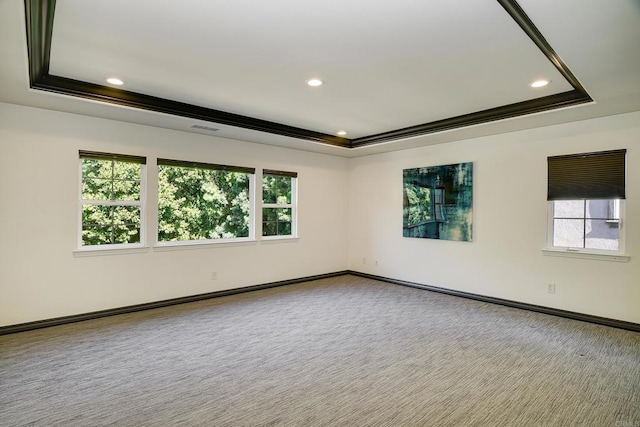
{"points": [[97, 189], [603, 209], [568, 233], [96, 235], [284, 228], [92, 168], [276, 189], [600, 209], [110, 180], [276, 221], [269, 214], [568, 209], [602, 235], [269, 189], [126, 190], [198, 203], [269, 229], [128, 233], [284, 215], [126, 170], [96, 215], [284, 190], [110, 224]]}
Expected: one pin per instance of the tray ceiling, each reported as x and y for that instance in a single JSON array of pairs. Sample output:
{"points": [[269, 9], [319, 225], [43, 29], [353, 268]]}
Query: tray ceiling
{"points": [[391, 70]]}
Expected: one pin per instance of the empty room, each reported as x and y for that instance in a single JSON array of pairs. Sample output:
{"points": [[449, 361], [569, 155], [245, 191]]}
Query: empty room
{"points": [[339, 213]]}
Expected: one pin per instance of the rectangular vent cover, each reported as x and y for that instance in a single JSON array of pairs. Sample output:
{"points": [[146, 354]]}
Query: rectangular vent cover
{"points": [[207, 128]]}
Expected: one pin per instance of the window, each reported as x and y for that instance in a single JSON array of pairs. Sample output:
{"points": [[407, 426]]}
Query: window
{"points": [[586, 224], [111, 199], [586, 195], [201, 201], [279, 203]]}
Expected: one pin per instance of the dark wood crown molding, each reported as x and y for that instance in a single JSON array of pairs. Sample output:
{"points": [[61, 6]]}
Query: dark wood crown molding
{"points": [[39, 23]]}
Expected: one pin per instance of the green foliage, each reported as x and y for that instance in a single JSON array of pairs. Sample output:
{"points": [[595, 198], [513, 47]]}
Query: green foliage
{"points": [[276, 189], [105, 182], [276, 221], [104, 225], [110, 180], [196, 203]]}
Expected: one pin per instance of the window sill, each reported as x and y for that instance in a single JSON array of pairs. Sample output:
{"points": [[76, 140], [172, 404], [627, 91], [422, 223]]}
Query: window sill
{"points": [[201, 244], [107, 251], [586, 255], [278, 239]]}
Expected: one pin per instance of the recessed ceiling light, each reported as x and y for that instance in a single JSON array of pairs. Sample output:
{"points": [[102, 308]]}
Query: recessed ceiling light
{"points": [[115, 81], [341, 133], [314, 82], [540, 83]]}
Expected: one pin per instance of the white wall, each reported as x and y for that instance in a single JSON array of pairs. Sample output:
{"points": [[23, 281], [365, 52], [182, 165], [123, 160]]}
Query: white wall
{"points": [[350, 209], [510, 213], [40, 278]]}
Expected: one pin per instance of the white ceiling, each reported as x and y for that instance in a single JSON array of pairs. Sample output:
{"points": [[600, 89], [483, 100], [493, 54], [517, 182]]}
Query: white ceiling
{"points": [[386, 65]]}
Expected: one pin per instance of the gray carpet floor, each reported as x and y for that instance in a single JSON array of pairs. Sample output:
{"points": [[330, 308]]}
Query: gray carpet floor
{"points": [[345, 351]]}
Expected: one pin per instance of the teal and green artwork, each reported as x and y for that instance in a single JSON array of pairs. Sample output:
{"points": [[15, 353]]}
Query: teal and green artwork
{"points": [[438, 202]]}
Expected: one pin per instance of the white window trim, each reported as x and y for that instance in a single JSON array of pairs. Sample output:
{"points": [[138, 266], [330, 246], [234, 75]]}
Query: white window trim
{"points": [[294, 212], [279, 239], [119, 247], [573, 253], [100, 250], [586, 253], [202, 243]]}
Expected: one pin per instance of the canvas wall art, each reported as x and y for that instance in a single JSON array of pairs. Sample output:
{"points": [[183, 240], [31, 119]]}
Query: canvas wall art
{"points": [[438, 202]]}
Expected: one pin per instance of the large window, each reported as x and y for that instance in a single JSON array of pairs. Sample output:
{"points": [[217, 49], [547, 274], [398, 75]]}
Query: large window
{"points": [[586, 195], [279, 203], [111, 199], [200, 201]]}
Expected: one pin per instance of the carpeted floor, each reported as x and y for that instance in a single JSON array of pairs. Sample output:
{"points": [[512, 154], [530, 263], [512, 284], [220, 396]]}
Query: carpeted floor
{"points": [[345, 351]]}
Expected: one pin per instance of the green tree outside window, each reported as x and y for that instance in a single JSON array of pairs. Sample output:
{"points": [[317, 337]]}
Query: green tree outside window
{"points": [[278, 203], [201, 203], [111, 200]]}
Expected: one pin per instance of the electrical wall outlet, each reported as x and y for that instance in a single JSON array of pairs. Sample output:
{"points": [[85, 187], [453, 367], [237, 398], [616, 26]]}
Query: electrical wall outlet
{"points": [[551, 288], [214, 275]]}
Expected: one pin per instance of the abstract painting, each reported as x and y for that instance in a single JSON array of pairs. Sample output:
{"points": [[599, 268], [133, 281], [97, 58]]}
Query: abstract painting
{"points": [[438, 202]]}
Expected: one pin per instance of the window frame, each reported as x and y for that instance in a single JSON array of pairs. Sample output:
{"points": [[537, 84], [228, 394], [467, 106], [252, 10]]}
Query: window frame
{"points": [[251, 172], [581, 250], [293, 205], [141, 203]]}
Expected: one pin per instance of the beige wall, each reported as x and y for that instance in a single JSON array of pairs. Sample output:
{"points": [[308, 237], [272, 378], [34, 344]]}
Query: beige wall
{"points": [[40, 277], [350, 210], [505, 259]]}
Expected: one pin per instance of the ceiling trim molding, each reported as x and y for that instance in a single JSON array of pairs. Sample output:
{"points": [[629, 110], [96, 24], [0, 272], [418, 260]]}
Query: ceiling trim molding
{"points": [[39, 16], [524, 108], [126, 98], [39, 25], [527, 25]]}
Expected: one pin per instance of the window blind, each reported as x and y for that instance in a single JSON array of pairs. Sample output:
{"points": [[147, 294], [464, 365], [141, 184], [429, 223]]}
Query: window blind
{"points": [[110, 156], [211, 166], [279, 173], [599, 175]]}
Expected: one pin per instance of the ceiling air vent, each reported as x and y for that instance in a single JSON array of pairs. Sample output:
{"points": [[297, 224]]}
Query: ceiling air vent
{"points": [[207, 128]]}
